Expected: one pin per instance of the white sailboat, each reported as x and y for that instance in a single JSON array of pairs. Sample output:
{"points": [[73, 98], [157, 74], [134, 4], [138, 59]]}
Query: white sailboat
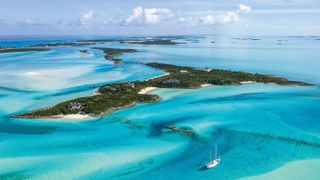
{"points": [[215, 162]]}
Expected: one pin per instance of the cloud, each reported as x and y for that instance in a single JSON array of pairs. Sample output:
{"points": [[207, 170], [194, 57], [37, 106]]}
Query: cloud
{"points": [[285, 11], [64, 24], [188, 21], [225, 18], [148, 16], [136, 15], [113, 22], [152, 16], [86, 18], [244, 8], [220, 19], [30, 22]]}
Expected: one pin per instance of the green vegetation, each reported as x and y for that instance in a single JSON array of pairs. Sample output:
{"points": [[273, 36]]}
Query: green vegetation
{"points": [[116, 96], [156, 41], [152, 42], [91, 42], [13, 50], [84, 51], [111, 53], [98, 40], [116, 51], [64, 44], [110, 98], [189, 77]]}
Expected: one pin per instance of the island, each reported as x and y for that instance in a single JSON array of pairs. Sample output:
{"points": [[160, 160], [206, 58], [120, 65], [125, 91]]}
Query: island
{"points": [[57, 44], [92, 42], [152, 42], [112, 53], [84, 51], [244, 39], [24, 49], [137, 40], [98, 40], [115, 96], [179, 129]]}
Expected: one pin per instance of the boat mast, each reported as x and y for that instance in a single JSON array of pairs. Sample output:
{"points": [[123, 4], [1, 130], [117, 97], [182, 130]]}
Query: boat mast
{"points": [[216, 152]]}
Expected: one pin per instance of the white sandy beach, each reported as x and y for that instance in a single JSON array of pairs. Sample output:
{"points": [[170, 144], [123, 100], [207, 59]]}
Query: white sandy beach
{"points": [[66, 118], [205, 85], [146, 90], [75, 116], [248, 82], [166, 74]]}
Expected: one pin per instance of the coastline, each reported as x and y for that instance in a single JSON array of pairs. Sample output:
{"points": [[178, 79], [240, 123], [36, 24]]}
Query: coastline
{"points": [[75, 116], [258, 130], [147, 90], [83, 117], [206, 85], [162, 75], [60, 117], [116, 96], [248, 82], [78, 117]]}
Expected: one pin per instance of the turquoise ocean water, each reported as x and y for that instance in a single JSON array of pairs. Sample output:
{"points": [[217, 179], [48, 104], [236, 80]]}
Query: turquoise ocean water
{"points": [[263, 131]]}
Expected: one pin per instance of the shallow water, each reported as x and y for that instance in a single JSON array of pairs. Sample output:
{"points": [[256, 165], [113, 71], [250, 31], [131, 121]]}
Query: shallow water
{"points": [[263, 131]]}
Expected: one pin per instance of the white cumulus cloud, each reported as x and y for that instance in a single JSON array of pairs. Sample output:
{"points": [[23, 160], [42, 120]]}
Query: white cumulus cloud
{"points": [[244, 8], [220, 18], [227, 17], [86, 18], [148, 16]]}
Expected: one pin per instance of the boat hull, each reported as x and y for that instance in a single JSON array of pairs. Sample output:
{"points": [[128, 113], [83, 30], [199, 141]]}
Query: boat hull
{"points": [[212, 163]]}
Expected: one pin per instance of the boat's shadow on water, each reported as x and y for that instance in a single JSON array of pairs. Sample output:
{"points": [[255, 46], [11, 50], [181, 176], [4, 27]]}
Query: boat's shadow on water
{"points": [[203, 168]]}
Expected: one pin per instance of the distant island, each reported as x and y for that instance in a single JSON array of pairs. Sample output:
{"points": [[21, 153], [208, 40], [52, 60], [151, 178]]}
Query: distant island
{"points": [[142, 41], [84, 51], [112, 53], [152, 42], [24, 49], [57, 44], [115, 96]]}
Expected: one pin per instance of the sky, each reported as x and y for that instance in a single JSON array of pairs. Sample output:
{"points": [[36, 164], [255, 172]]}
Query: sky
{"points": [[160, 17]]}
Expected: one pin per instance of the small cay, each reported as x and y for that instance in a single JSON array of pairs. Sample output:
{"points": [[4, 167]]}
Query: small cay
{"points": [[112, 53], [112, 97], [178, 129]]}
